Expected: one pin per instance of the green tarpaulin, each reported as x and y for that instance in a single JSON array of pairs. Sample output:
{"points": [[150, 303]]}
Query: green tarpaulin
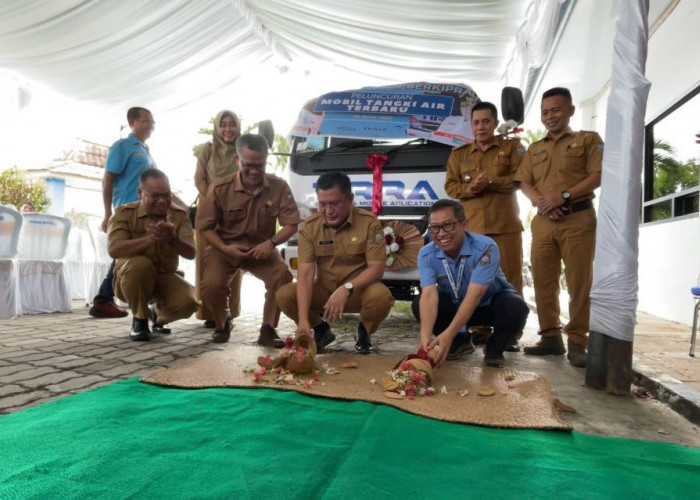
{"points": [[132, 440]]}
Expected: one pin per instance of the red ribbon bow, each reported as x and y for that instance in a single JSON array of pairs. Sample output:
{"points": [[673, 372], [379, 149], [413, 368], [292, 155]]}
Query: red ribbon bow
{"points": [[375, 163]]}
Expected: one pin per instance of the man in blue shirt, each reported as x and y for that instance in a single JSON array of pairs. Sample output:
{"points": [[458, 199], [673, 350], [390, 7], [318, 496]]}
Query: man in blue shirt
{"points": [[461, 285], [126, 161]]}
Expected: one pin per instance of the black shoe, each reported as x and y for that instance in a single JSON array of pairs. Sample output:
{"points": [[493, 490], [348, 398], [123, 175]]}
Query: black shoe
{"points": [[210, 323], [513, 345], [139, 330], [461, 345], [222, 336], [269, 338], [158, 328], [323, 336], [494, 360], [362, 342]]}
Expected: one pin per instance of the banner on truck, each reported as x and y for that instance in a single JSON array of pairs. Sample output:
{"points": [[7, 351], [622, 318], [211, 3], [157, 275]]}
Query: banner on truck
{"points": [[437, 111]]}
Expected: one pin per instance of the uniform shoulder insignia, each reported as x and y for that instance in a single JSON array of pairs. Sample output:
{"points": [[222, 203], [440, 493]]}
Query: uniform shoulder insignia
{"points": [[378, 236], [486, 258]]}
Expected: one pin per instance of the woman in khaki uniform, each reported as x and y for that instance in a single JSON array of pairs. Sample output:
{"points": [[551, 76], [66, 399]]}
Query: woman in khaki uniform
{"points": [[215, 160]]}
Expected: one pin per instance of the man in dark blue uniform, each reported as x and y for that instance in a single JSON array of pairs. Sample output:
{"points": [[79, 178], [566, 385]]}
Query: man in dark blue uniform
{"points": [[461, 285]]}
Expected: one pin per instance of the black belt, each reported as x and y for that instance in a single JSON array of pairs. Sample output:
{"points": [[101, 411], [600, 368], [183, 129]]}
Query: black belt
{"points": [[577, 207]]}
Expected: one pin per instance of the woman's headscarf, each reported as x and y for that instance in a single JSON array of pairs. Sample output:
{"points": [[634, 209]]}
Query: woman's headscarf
{"points": [[221, 162]]}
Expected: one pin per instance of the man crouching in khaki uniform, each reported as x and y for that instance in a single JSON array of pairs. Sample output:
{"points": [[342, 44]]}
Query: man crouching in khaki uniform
{"points": [[238, 219], [147, 238], [342, 252]]}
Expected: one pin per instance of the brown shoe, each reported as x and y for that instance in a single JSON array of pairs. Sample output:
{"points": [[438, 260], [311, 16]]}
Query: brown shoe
{"points": [[546, 346], [576, 354], [269, 338], [222, 336], [107, 310]]}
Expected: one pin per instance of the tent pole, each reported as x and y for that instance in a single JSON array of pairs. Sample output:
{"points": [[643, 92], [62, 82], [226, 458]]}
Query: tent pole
{"points": [[615, 274]]}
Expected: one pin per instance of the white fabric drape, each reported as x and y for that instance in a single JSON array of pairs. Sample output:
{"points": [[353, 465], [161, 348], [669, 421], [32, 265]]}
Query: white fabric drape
{"points": [[171, 53], [615, 278]]}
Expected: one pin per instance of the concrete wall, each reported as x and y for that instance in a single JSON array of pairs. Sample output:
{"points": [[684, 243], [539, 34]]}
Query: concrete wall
{"points": [[669, 252]]}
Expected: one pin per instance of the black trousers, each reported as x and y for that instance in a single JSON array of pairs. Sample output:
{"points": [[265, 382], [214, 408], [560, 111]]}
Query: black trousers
{"points": [[507, 314], [106, 292]]}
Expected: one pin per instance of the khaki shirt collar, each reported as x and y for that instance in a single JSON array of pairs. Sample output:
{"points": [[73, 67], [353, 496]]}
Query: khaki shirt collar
{"points": [[141, 210], [566, 133], [348, 221], [238, 184], [496, 142]]}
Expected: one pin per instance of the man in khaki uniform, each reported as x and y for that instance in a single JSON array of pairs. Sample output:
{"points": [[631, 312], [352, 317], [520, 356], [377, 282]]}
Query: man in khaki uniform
{"points": [[238, 219], [147, 238], [559, 174], [344, 248], [480, 175]]}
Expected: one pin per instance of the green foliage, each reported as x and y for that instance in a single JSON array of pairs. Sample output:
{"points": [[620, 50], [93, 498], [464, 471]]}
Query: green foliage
{"points": [[531, 136], [16, 189], [670, 174]]}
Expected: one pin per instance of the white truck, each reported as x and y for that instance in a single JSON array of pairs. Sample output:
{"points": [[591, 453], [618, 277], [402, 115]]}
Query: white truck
{"points": [[415, 124]]}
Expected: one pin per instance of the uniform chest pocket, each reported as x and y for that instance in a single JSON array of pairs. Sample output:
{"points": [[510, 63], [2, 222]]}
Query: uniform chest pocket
{"points": [[574, 158], [233, 216], [467, 170], [358, 248], [502, 164], [539, 162], [325, 250], [271, 211]]}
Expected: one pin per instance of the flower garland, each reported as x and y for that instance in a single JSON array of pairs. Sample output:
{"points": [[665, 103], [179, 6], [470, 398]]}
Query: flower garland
{"points": [[393, 244]]}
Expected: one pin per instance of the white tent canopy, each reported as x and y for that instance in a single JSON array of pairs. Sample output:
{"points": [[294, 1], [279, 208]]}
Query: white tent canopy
{"points": [[171, 53]]}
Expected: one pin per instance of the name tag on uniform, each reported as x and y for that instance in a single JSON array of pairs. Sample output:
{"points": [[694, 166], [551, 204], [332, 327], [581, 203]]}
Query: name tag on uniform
{"points": [[235, 211], [441, 277], [325, 242]]}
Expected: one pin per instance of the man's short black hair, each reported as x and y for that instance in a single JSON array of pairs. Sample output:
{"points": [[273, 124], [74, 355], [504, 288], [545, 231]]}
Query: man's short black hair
{"points": [[254, 142], [562, 91], [486, 105], [135, 113], [151, 173], [329, 180], [456, 207]]}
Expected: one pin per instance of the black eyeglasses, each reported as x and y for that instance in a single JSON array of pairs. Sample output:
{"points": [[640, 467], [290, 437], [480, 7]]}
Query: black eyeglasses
{"points": [[447, 227], [159, 196]]}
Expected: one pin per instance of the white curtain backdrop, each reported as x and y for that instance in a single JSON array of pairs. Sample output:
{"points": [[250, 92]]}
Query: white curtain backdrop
{"points": [[171, 53]]}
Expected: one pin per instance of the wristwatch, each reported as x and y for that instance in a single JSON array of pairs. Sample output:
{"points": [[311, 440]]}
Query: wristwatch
{"points": [[274, 241], [348, 287], [566, 196]]}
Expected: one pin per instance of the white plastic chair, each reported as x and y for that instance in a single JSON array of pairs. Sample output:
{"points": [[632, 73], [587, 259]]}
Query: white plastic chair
{"points": [[80, 259], [10, 226], [102, 258], [42, 280]]}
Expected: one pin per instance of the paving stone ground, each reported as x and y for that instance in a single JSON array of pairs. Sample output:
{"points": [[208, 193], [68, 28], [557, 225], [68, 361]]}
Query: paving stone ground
{"points": [[49, 356]]}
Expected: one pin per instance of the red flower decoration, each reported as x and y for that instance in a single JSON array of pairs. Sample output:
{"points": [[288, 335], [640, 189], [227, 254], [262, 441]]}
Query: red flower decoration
{"points": [[399, 240]]}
